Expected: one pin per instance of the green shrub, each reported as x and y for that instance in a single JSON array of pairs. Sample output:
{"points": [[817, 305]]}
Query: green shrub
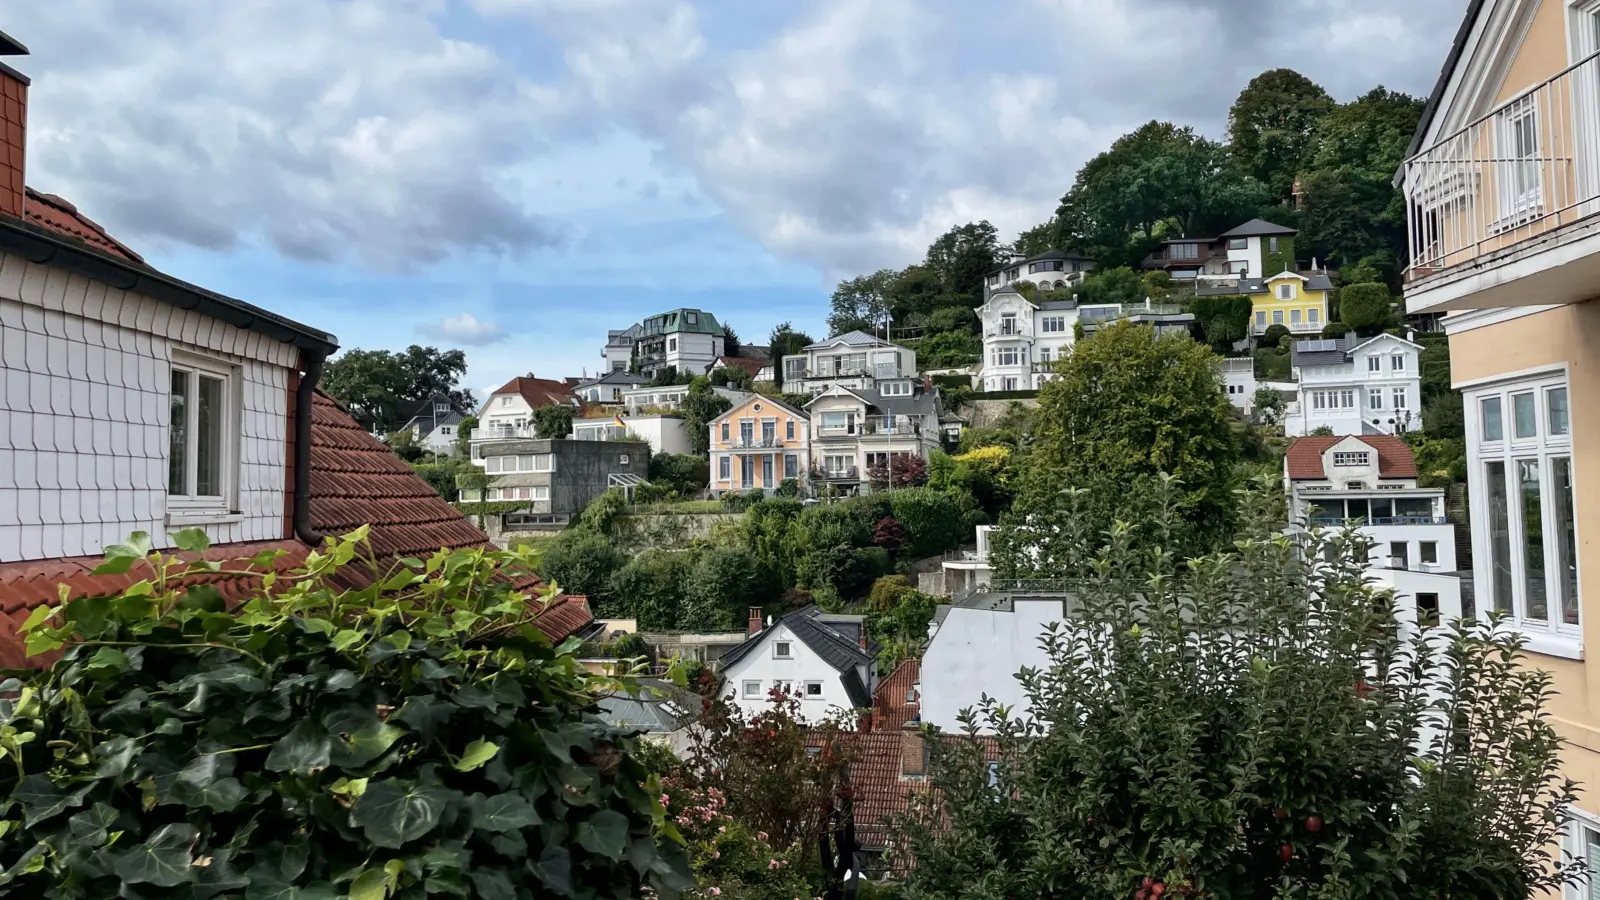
{"points": [[685, 473], [887, 591], [722, 583], [582, 561], [602, 511], [1273, 336], [789, 487], [418, 737], [650, 589], [1367, 308], [931, 519]]}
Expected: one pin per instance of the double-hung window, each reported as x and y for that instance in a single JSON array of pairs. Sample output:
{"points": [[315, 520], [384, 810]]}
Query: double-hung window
{"points": [[202, 434], [1524, 531], [1517, 169]]}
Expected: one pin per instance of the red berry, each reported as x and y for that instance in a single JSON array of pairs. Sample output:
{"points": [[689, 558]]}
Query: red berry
{"points": [[1280, 813], [1158, 889], [1286, 853], [1140, 894], [1313, 823], [1147, 883]]}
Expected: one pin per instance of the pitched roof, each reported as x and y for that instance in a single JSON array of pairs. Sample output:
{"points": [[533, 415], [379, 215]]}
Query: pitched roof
{"points": [[615, 376], [539, 392], [761, 398], [56, 214], [895, 702], [1451, 59], [830, 636], [1321, 351], [1258, 228], [1304, 457], [1313, 282], [852, 339], [660, 706], [677, 322], [753, 366], [879, 789]]}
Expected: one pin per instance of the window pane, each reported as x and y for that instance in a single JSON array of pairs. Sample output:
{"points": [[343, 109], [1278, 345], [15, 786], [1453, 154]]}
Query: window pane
{"points": [[208, 438], [178, 446], [1533, 539], [1556, 398], [1523, 416], [1566, 539], [1499, 537], [1493, 428]]}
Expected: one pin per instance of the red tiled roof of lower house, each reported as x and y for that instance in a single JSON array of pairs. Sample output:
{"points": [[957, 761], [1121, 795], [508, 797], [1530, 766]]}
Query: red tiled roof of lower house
{"points": [[879, 789], [895, 702], [55, 214], [1395, 459], [753, 366], [540, 392]]}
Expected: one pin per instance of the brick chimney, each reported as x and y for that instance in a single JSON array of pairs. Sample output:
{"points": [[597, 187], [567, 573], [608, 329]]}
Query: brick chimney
{"points": [[13, 129], [754, 627], [863, 640], [913, 752]]}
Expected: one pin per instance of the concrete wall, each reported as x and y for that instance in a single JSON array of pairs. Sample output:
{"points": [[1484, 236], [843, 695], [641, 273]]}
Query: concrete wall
{"points": [[976, 652], [581, 473], [985, 413]]}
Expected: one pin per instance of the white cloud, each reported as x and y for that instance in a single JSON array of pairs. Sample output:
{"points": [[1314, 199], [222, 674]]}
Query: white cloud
{"points": [[464, 329]]}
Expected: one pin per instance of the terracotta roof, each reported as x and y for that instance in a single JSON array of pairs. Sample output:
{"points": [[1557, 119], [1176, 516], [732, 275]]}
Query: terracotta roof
{"points": [[52, 212], [891, 707], [1394, 457], [540, 392], [879, 790], [753, 366], [566, 615]]}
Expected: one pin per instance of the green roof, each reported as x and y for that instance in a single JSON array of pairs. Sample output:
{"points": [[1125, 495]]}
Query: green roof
{"points": [[693, 321]]}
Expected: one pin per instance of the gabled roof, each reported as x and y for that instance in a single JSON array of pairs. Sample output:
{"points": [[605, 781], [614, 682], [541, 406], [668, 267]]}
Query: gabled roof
{"points": [[430, 422], [615, 376], [839, 390], [539, 392], [1244, 286], [1258, 228], [1378, 337], [1322, 351], [830, 636], [753, 366], [762, 398], [852, 339], [1304, 457]]}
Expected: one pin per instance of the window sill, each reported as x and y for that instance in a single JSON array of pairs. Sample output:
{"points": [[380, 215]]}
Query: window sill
{"points": [[180, 517], [1544, 643]]}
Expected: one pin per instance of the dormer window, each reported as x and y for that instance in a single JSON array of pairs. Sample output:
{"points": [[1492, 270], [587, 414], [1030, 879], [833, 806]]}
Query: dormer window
{"points": [[440, 409], [692, 318], [1285, 292], [505, 400], [1351, 458], [199, 461]]}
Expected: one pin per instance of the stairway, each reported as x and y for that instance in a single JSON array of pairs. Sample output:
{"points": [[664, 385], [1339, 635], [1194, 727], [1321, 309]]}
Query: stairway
{"points": [[1455, 512]]}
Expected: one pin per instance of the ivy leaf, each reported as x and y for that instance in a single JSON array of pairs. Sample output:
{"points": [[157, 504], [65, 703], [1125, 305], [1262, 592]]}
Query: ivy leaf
{"points": [[424, 714], [492, 884], [373, 884], [92, 827], [604, 834], [352, 751], [37, 617], [121, 557], [305, 749], [191, 540], [41, 798], [392, 812], [503, 812], [478, 752], [555, 869], [115, 756], [347, 638], [163, 860], [268, 885]]}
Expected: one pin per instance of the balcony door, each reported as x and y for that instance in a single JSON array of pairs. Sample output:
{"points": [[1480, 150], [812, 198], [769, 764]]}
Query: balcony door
{"points": [[1585, 98]]}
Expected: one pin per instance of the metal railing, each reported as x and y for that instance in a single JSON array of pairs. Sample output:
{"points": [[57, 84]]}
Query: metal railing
{"points": [[1531, 166], [501, 432], [756, 443], [890, 425], [1379, 520], [846, 473], [1097, 314]]}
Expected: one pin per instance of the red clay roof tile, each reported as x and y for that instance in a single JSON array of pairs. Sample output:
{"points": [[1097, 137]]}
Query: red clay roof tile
{"points": [[894, 703], [540, 392], [1395, 459], [55, 214]]}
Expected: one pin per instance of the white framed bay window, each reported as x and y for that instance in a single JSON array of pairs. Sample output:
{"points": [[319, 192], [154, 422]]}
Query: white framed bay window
{"points": [[202, 438], [1524, 523]]}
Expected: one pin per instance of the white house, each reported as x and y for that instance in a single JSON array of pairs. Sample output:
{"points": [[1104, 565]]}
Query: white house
{"points": [[976, 646], [508, 413], [664, 433], [689, 340], [854, 359], [822, 658], [970, 570], [858, 432], [1356, 386], [608, 388], [1053, 270], [1239, 381], [434, 426], [1248, 246], [1022, 339]]}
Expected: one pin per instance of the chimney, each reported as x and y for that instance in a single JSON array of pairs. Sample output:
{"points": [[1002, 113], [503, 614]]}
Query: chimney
{"points": [[913, 751], [754, 627], [863, 639], [13, 129]]}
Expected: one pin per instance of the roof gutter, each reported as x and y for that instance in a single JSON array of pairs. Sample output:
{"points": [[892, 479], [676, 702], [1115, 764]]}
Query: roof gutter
{"points": [[304, 399], [37, 245]]}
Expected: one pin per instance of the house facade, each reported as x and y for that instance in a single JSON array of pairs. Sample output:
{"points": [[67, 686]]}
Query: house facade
{"points": [[553, 480], [1298, 302], [758, 444], [609, 387], [1502, 184], [854, 359], [435, 425], [508, 413], [976, 646], [1022, 339], [823, 659], [1053, 270], [1356, 386], [1249, 250], [857, 434], [688, 340]]}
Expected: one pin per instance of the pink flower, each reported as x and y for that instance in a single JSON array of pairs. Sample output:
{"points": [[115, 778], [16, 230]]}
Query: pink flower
{"points": [[721, 829], [716, 892], [773, 864], [664, 799], [762, 835]]}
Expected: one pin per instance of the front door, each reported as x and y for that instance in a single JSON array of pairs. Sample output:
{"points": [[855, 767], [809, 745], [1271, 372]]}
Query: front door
{"points": [[747, 472]]}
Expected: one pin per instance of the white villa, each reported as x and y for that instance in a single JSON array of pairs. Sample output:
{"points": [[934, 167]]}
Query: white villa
{"points": [[854, 359], [1356, 386]]}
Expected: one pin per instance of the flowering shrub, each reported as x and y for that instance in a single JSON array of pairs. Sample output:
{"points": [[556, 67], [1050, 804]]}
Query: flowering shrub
{"points": [[730, 860]]}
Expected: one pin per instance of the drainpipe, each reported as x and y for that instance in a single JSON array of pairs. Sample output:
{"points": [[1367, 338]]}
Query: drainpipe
{"points": [[304, 399]]}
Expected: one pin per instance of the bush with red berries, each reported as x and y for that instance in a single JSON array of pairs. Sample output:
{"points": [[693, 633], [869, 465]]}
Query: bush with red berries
{"points": [[1256, 724]]}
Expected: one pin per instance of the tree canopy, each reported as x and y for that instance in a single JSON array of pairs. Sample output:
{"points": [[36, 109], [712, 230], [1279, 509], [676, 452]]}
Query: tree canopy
{"points": [[382, 388], [1272, 124]]}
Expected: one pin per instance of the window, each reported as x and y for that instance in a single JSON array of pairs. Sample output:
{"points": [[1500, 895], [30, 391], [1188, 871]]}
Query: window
{"points": [[693, 318], [1261, 318], [838, 421], [672, 343], [1517, 172], [895, 389], [1374, 398], [1238, 243], [782, 650], [1523, 511], [1285, 292], [752, 690], [1314, 316], [1277, 317], [813, 690], [766, 471], [747, 431], [1184, 251], [1398, 555], [505, 401], [791, 466], [1397, 362], [1399, 395], [788, 430], [1008, 324], [445, 430], [769, 430], [1374, 364], [1053, 324], [199, 461], [1523, 417], [1428, 552], [1427, 610], [724, 467], [1238, 267], [724, 432], [1007, 356], [1272, 245], [1044, 354], [1351, 458]]}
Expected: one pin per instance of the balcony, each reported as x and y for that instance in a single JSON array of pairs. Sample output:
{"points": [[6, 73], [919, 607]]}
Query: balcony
{"points": [[1334, 522], [843, 473], [1110, 312], [755, 443], [502, 433], [1502, 212], [890, 426]]}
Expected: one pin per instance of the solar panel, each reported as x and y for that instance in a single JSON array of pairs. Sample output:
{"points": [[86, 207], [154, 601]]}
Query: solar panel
{"points": [[1318, 345]]}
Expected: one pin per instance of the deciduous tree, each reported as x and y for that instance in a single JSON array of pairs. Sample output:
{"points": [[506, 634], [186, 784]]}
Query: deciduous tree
{"points": [[1271, 127], [381, 387]]}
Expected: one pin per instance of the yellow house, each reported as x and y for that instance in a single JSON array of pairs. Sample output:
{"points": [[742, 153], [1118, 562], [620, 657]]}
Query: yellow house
{"points": [[1297, 302], [1502, 186], [760, 443]]}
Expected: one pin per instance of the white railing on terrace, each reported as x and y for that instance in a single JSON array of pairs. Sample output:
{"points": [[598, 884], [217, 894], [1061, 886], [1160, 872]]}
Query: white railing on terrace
{"points": [[1239, 365], [1529, 167]]}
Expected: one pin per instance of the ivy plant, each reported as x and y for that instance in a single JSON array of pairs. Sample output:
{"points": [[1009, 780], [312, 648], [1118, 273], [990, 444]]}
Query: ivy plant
{"points": [[419, 738]]}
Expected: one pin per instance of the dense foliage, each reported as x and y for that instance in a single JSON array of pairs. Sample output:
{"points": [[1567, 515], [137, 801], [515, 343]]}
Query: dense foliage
{"points": [[1225, 321], [382, 388], [553, 421], [418, 738], [684, 474], [1256, 724], [699, 407]]}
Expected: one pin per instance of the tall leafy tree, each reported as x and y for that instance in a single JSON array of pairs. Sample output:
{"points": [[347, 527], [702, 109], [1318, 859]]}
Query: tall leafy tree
{"points": [[963, 256], [1272, 124], [699, 407], [381, 387], [861, 303], [785, 341]]}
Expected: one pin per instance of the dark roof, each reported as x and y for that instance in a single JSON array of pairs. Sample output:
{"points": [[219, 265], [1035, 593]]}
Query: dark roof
{"points": [[1314, 282], [615, 376], [539, 392], [1010, 288], [1431, 109], [1322, 351], [1258, 228], [753, 366], [1048, 254], [10, 46], [431, 421], [660, 706], [833, 637], [1304, 456], [677, 322]]}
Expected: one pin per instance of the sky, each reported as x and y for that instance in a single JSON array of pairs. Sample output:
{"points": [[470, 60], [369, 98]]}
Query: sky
{"points": [[515, 177]]}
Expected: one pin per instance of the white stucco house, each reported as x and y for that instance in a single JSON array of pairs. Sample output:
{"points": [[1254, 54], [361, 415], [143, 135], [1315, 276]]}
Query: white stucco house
{"points": [[434, 427], [608, 388], [1357, 386], [822, 658], [1053, 270], [857, 432], [1023, 339], [976, 646], [854, 359]]}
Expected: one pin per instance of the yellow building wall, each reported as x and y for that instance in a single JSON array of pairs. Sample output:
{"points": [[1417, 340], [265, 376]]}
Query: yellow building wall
{"points": [[1303, 300], [1570, 335], [747, 410]]}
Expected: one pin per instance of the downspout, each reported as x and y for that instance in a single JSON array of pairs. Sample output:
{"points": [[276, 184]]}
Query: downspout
{"points": [[305, 397]]}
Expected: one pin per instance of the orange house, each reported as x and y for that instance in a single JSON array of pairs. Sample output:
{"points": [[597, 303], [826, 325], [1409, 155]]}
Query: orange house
{"points": [[759, 443]]}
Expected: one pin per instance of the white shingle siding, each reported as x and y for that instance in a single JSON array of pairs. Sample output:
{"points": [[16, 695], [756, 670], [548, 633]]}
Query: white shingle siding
{"points": [[84, 383]]}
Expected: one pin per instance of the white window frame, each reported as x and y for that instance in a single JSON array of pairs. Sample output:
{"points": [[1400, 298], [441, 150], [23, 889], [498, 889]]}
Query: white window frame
{"points": [[1352, 458], [1314, 316], [1374, 363], [724, 467], [805, 691], [1401, 399], [1573, 847], [1375, 398], [1285, 291], [1261, 318], [752, 690], [1554, 636], [1238, 243], [1397, 362], [783, 649], [1518, 206], [188, 504]]}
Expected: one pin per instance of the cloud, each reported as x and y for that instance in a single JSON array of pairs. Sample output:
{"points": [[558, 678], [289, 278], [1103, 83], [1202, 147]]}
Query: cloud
{"points": [[464, 329]]}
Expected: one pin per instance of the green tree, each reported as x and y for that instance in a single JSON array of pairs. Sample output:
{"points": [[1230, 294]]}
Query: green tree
{"points": [[962, 258], [730, 341], [699, 407], [582, 561], [1225, 320], [1124, 408], [785, 341], [685, 473], [736, 377], [1268, 405], [1118, 285], [861, 303], [722, 583], [1272, 124], [930, 519], [315, 742], [1041, 238], [650, 588], [381, 388], [1251, 725], [1366, 308], [464, 431], [554, 421]]}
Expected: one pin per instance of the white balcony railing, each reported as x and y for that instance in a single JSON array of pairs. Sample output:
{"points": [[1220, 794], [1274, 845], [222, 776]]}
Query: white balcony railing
{"points": [[1529, 167]]}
